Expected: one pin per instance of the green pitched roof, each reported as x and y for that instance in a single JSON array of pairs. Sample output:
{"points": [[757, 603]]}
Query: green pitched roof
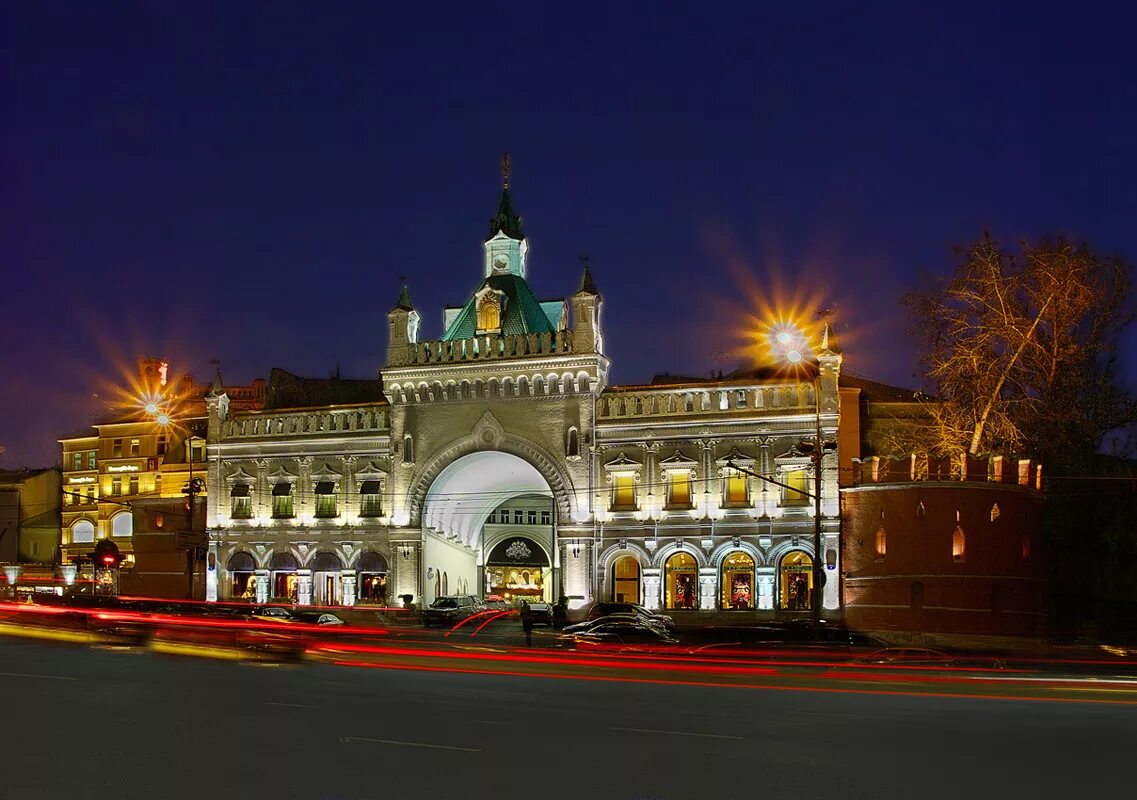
{"points": [[523, 312]]}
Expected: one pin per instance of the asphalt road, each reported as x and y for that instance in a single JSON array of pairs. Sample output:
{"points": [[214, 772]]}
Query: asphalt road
{"points": [[97, 722]]}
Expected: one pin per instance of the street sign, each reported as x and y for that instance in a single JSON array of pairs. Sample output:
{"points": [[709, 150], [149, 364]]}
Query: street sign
{"points": [[187, 539]]}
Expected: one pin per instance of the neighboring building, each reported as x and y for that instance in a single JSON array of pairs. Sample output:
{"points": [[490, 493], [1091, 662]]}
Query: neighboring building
{"points": [[124, 476], [29, 516], [496, 459], [944, 549]]}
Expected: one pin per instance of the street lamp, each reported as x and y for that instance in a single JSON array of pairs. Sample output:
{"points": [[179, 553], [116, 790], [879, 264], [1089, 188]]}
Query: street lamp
{"points": [[193, 487], [791, 343]]}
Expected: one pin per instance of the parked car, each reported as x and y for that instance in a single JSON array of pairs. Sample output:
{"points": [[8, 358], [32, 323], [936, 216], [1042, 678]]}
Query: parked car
{"points": [[605, 609], [317, 618], [449, 609], [621, 637], [589, 624], [537, 612], [277, 612]]}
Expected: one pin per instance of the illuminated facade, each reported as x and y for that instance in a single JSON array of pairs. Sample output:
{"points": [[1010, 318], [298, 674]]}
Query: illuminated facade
{"points": [[495, 459]]}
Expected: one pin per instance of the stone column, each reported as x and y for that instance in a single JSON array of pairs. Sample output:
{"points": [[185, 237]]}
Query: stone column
{"points": [[349, 492], [651, 588], [262, 578], [831, 595], [766, 497], [304, 586], [303, 490], [347, 584], [262, 501], [707, 583], [765, 588], [655, 492], [212, 573]]}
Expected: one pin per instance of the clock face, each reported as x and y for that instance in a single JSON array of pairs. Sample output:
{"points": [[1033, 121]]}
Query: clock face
{"points": [[501, 261]]}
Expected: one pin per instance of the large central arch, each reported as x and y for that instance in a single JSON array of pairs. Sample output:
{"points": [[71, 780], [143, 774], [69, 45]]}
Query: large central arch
{"points": [[468, 489]]}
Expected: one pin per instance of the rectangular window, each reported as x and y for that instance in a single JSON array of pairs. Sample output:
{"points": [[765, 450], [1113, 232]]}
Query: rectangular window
{"points": [[90, 459], [370, 500], [533, 517], [798, 480], [162, 444], [35, 548], [325, 499], [282, 500], [736, 488], [158, 483], [198, 451], [116, 486], [491, 518], [74, 498], [116, 448], [133, 484], [546, 517], [624, 491], [518, 517], [91, 495], [504, 516], [242, 507], [135, 447], [78, 460], [679, 489]]}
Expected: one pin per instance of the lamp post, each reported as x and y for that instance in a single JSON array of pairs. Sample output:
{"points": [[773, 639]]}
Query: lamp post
{"points": [[193, 487], [792, 343]]}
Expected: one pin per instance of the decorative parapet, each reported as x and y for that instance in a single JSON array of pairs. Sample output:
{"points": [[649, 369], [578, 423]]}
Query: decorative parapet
{"points": [[921, 467], [795, 398], [486, 347], [312, 423]]}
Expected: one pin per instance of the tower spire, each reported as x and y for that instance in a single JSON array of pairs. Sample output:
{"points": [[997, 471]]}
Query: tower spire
{"points": [[505, 220], [586, 284], [506, 164], [404, 301]]}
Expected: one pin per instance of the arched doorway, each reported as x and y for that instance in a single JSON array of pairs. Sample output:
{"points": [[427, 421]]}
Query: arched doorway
{"points": [[626, 580], [326, 579], [241, 568], [284, 581], [517, 569], [372, 571], [681, 582], [795, 581], [738, 581], [490, 501]]}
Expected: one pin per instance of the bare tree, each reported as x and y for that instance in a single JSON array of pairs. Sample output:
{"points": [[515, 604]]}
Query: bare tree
{"points": [[1020, 349]]}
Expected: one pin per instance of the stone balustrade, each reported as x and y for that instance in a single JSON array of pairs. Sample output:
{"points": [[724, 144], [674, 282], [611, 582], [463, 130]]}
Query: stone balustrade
{"points": [[321, 422], [796, 398], [491, 346]]}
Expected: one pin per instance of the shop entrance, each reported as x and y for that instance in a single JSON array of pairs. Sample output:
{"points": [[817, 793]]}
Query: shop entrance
{"points": [[326, 579], [518, 569]]}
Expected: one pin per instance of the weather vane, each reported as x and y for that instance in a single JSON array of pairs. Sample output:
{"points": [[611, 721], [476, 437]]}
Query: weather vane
{"points": [[506, 163]]}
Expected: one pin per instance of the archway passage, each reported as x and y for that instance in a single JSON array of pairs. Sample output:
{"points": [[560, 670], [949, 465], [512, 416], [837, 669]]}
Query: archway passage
{"points": [[477, 507], [518, 569]]}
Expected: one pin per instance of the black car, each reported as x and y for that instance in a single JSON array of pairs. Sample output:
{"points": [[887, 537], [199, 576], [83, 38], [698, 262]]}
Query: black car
{"points": [[450, 609], [606, 609]]}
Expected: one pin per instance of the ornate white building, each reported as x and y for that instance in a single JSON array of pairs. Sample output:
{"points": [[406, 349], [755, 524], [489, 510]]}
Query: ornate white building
{"points": [[496, 459]]}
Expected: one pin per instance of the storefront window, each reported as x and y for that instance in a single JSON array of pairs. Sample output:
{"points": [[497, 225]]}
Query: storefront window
{"points": [[626, 580], [795, 581], [681, 582], [738, 581]]}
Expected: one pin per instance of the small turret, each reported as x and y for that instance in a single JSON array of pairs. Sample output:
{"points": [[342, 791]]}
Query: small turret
{"points": [[505, 246], [586, 335], [403, 322]]}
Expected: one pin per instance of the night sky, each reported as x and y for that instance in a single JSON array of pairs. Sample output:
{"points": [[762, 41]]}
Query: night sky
{"points": [[248, 181]]}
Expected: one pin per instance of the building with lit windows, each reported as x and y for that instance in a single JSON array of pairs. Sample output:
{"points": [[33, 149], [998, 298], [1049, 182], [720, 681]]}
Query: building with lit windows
{"points": [[493, 457], [123, 479]]}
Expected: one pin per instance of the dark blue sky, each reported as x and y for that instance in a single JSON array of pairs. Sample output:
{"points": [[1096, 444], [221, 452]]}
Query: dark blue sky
{"points": [[247, 181]]}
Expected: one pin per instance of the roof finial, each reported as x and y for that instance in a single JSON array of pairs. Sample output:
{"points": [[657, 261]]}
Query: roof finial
{"points": [[506, 164], [404, 302], [586, 283], [217, 387]]}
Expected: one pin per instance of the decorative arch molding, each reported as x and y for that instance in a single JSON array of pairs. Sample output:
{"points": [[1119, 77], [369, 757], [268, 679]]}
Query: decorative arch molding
{"points": [[781, 549], [670, 549], [609, 555], [725, 549], [488, 434], [500, 536]]}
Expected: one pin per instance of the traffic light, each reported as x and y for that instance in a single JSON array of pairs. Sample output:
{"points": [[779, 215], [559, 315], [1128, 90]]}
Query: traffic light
{"points": [[106, 554]]}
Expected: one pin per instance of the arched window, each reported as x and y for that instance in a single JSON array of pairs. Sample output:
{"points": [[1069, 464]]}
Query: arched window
{"points": [[489, 314], [795, 581], [995, 512], [408, 449], [445, 584], [958, 544], [681, 583], [881, 542], [738, 581], [122, 524], [572, 446], [626, 580], [83, 532]]}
